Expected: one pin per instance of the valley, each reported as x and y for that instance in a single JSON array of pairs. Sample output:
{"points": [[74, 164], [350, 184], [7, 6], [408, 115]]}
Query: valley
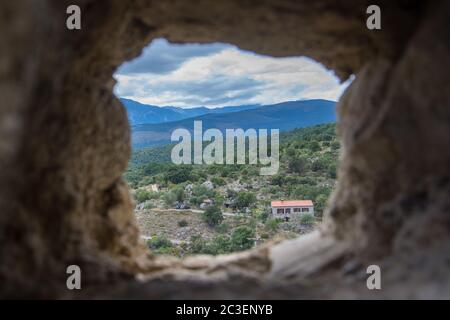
{"points": [[217, 209]]}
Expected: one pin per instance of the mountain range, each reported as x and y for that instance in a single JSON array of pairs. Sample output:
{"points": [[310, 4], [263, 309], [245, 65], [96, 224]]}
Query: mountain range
{"points": [[154, 126], [139, 113]]}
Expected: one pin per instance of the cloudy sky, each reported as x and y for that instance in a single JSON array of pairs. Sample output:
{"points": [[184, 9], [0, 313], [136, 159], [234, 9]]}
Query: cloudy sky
{"points": [[216, 75]]}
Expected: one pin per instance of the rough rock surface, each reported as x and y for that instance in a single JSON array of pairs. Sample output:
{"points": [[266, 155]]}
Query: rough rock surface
{"points": [[64, 143]]}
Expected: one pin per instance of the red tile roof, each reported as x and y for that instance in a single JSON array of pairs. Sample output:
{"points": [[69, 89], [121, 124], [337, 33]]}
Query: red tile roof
{"points": [[292, 203]]}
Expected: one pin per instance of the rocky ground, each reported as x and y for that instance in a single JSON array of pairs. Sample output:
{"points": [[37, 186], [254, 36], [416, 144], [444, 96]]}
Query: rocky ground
{"points": [[165, 222]]}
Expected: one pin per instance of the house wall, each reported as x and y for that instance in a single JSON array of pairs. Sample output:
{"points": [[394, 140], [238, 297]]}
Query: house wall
{"points": [[274, 210]]}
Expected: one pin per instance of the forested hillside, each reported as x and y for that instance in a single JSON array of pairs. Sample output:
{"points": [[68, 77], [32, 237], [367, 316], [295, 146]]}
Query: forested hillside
{"points": [[308, 161], [283, 116]]}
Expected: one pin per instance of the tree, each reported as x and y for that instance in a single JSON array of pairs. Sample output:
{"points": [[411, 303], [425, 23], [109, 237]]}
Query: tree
{"points": [[296, 164], [314, 146], [170, 198], [219, 245], [179, 174], [320, 164], [307, 219], [242, 238], [245, 200], [278, 180], [178, 193], [213, 216], [142, 195], [321, 203], [332, 171]]}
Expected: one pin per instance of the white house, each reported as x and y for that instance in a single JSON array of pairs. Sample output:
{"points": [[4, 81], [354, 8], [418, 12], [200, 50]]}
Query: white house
{"points": [[284, 209]]}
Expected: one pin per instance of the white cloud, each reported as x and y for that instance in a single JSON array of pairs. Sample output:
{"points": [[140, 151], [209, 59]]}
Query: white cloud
{"points": [[224, 76]]}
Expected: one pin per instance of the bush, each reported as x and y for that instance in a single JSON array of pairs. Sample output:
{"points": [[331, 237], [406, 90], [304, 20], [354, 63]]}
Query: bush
{"points": [[241, 239], [219, 245], [159, 242], [170, 198], [179, 174], [213, 216], [272, 225], [223, 228], [296, 164], [335, 145], [321, 203], [217, 181], [142, 195], [149, 205], [332, 171], [307, 219], [319, 165], [198, 245], [245, 200], [201, 191], [261, 214], [183, 223], [314, 146]]}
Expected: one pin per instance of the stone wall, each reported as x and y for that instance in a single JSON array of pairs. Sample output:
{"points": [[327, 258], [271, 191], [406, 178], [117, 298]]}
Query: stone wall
{"points": [[64, 143]]}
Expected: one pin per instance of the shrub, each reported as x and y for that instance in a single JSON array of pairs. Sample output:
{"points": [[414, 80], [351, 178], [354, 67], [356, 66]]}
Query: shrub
{"points": [[159, 242], [278, 180], [178, 174], [196, 201], [335, 145], [272, 225], [142, 195], [217, 181], [245, 200], [319, 165], [261, 214], [219, 200], [314, 146], [223, 227], [201, 191], [198, 245], [307, 219], [170, 198], [332, 171], [241, 239], [213, 216], [296, 164], [321, 203], [183, 223], [219, 245], [149, 205]]}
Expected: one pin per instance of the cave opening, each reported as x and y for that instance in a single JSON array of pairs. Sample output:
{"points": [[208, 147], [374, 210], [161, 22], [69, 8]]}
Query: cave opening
{"points": [[216, 198], [66, 144]]}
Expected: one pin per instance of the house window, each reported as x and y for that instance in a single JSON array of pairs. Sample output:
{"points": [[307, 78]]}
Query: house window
{"points": [[288, 210], [305, 209], [280, 211], [296, 209]]}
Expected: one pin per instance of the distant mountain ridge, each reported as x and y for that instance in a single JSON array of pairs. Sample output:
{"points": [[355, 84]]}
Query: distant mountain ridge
{"points": [[283, 116], [139, 113]]}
